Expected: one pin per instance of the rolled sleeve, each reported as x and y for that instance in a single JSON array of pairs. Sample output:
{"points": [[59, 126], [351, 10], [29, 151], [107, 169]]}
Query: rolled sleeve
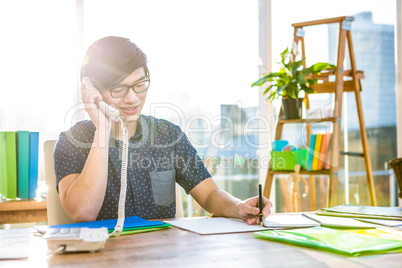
{"points": [[190, 170], [71, 152]]}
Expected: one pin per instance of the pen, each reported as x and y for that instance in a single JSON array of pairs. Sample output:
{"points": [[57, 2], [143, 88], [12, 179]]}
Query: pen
{"points": [[260, 203]]}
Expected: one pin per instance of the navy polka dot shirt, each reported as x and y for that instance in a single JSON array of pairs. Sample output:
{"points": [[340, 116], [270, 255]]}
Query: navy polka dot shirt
{"points": [[160, 154]]}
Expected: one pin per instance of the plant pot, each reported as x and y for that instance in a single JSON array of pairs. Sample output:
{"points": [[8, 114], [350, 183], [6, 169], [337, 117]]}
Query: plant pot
{"points": [[292, 108]]}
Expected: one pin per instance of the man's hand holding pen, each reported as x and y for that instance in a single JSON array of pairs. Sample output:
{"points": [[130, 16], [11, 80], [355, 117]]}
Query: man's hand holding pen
{"points": [[249, 210]]}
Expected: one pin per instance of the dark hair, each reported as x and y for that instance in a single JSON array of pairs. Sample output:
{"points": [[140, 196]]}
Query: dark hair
{"points": [[111, 59]]}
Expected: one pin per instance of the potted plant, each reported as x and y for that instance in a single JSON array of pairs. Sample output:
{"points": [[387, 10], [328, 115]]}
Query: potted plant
{"points": [[292, 79]]}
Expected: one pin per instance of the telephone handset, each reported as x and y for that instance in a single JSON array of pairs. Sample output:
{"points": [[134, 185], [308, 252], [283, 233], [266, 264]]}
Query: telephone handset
{"points": [[108, 110], [114, 114]]}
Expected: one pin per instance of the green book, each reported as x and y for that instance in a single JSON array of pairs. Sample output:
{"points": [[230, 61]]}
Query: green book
{"points": [[23, 164], [11, 163], [338, 241], [3, 164]]}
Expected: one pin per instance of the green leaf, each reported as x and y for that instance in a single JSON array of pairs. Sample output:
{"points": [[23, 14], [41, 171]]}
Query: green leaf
{"points": [[301, 79], [267, 78], [266, 91], [296, 65], [286, 51], [292, 90], [281, 89], [272, 96], [312, 81], [308, 90], [319, 66]]}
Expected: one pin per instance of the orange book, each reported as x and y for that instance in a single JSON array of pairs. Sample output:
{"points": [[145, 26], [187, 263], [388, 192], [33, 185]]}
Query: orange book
{"points": [[323, 150]]}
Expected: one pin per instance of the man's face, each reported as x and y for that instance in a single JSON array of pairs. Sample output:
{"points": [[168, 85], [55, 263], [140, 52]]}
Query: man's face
{"points": [[129, 106]]}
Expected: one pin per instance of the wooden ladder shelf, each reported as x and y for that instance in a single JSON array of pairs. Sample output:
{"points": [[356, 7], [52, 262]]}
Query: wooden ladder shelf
{"points": [[337, 88]]}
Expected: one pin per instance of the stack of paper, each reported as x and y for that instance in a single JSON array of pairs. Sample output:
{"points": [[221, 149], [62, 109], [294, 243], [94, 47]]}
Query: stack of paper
{"points": [[355, 211]]}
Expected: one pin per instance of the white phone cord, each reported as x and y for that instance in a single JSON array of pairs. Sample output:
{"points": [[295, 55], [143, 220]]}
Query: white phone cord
{"points": [[123, 187]]}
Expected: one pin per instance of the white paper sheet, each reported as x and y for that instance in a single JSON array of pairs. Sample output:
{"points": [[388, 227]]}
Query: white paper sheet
{"points": [[14, 243], [340, 222], [289, 221], [215, 225], [391, 223]]}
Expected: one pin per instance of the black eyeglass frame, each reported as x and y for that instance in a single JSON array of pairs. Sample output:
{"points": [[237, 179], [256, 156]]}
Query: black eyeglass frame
{"points": [[127, 88]]}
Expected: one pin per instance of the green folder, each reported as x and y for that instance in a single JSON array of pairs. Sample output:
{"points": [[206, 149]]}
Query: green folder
{"points": [[135, 230], [11, 163], [3, 164], [333, 240], [23, 164]]}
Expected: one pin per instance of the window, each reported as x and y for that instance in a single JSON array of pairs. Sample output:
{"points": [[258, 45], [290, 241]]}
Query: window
{"points": [[373, 39]]}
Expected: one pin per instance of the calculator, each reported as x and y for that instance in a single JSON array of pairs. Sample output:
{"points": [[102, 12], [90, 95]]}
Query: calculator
{"points": [[76, 239]]}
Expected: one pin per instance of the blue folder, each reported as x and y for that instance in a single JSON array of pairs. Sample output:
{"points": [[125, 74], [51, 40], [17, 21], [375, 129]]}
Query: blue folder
{"points": [[129, 223], [33, 163]]}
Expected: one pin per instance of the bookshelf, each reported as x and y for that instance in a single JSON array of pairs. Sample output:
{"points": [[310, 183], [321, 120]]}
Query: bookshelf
{"points": [[345, 81], [22, 211]]}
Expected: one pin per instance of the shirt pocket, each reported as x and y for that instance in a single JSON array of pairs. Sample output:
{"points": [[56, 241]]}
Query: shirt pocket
{"points": [[163, 187]]}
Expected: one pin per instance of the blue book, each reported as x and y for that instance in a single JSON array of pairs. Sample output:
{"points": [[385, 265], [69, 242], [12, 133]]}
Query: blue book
{"points": [[129, 223], [311, 152], [22, 164], [33, 163]]}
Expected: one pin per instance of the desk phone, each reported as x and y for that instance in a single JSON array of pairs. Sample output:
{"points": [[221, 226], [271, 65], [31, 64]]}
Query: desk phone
{"points": [[76, 239], [93, 239]]}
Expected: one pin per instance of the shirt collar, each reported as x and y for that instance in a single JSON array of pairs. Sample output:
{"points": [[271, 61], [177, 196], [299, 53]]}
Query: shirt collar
{"points": [[138, 130]]}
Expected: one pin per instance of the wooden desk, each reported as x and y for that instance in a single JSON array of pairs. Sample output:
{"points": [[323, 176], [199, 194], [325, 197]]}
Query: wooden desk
{"points": [[22, 211], [178, 248]]}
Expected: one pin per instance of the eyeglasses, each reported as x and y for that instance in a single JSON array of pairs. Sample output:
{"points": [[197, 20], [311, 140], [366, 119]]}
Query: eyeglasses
{"points": [[121, 91]]}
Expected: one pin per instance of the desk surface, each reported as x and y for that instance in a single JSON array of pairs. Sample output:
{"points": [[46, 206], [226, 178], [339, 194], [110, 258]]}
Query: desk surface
{"points": [[178, 248]]}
